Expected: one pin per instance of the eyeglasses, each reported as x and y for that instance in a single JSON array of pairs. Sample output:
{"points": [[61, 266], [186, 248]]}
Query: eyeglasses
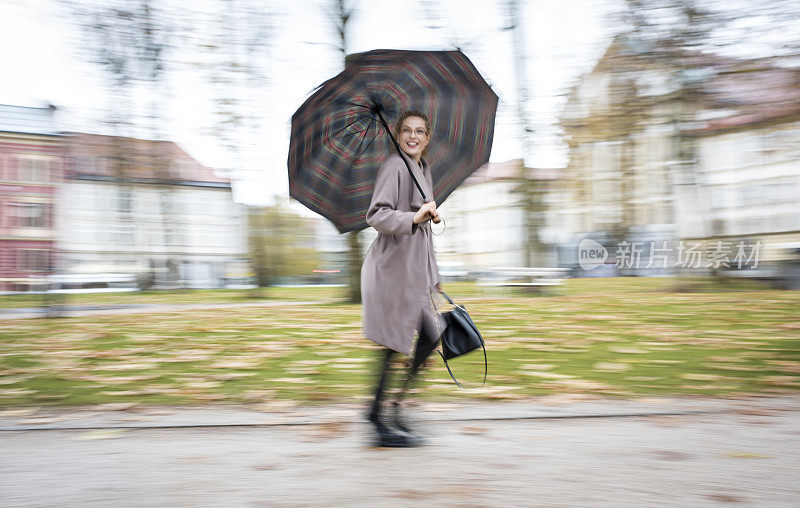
{"points": [[419, 132]]}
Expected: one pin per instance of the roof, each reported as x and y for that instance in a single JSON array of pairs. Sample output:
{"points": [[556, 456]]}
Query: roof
{"points": [[139, 159], [750, 95], [27, 120], [509, 170], [494, 171], [738, 92]]}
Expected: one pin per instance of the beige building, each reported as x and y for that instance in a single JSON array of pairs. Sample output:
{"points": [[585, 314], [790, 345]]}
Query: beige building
{"points": [[485, 220], [696, 148]]}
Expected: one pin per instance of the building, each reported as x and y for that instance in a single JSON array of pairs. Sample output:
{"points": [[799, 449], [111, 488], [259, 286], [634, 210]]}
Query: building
{"points": [[485, 236], [148, 210], [486, 224], [677, 147], [31, 169], [748, 154]]}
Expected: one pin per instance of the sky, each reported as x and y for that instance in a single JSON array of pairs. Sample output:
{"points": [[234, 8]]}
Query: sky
{"points": [[562, 40]]}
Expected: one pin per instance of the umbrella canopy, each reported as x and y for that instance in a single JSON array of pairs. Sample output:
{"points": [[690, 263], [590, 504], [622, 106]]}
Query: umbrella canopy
{"points": [[338, 142]]}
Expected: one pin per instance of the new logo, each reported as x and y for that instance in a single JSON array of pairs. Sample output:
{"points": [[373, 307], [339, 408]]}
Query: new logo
{"points": [[591, 254]]}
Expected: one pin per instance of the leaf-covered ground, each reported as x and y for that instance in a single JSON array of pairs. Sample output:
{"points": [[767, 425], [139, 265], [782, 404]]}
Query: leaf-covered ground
{"points": [[622, 337]]}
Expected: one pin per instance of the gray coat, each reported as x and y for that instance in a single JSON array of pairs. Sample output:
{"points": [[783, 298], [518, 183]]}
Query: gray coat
{"points": [[399, 271]]}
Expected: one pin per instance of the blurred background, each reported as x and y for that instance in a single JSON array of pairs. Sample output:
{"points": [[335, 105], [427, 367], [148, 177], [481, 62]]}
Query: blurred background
{"points": [[636, 234], [143, 143]]}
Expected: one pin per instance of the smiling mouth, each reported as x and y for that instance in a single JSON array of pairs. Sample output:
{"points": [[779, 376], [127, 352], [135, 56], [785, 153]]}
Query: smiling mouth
{"points": [[412, 144]]}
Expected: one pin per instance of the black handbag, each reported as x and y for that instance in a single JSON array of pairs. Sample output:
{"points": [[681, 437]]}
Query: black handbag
{"points": [[460, 336]]}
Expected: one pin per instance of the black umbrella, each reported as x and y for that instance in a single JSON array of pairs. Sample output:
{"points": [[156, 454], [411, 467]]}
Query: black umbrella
{"points": [[338, 140]]}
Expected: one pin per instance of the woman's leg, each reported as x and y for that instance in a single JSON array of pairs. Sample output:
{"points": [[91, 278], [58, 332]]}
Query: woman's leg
{"points": [[430, 328], [425, 346], [386, 435], [426, 343], [384, 366]]}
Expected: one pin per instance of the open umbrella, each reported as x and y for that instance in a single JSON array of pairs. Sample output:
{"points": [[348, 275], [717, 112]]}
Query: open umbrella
{"points": [[341, 135]]}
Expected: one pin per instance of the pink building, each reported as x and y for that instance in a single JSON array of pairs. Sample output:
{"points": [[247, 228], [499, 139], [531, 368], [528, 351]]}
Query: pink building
{"points": [[31, 168]]}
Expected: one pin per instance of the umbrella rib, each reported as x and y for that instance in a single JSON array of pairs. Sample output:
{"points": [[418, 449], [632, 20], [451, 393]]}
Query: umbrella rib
{"points": [[359, 117], [359, 151], [352, 133], [365, 131], [359, 105], [370, 142], [349, 125]]}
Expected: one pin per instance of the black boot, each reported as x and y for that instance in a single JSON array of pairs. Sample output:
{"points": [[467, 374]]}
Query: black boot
{"points": [[389, 437], [386, 435], [425, 346], [400, 424]]}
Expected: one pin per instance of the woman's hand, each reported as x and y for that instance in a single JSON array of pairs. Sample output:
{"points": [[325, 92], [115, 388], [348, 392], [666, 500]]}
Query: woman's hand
{"points": [[427, 212]]}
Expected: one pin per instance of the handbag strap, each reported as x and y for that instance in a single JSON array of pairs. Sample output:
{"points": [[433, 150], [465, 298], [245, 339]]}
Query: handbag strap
{"points": [[485, 367], [483, 345]]}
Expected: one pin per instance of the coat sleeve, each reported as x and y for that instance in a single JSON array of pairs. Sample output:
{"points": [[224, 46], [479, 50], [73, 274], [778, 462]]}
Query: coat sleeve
{"points": [[383, 214]]}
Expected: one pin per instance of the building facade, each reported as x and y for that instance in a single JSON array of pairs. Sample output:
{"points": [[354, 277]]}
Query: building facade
{"points": [[679, 147], [491, 235], [752, 180], [498, 218], [147, 210], [31, 169]]}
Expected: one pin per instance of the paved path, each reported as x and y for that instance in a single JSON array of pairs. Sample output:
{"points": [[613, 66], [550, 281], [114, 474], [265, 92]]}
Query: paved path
{"points": [[551, 453], [141, 308], [154, 308]]}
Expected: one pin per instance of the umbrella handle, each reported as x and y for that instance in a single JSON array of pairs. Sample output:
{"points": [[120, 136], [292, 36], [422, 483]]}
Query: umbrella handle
{"points": [[377, 110]]}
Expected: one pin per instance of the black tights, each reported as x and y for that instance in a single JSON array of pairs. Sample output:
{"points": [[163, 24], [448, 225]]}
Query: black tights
{"points": [[425, 346]]}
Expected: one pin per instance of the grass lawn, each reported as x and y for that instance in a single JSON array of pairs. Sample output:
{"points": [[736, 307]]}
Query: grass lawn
{"points": [[622, 337]]}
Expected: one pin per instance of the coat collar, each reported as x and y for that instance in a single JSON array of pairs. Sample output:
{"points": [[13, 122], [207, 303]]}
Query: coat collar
{"points": [[420, 173]]}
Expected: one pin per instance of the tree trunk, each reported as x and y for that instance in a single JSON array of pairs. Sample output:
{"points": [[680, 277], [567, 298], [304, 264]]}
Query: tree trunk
{"points": [[341, 15], [354, 267]]}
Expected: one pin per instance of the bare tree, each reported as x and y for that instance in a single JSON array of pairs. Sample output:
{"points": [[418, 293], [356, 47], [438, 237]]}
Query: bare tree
{"points": [[234, 48], [130, 42], [341, 15], [134, 44], [530, 190], [281, 244]]}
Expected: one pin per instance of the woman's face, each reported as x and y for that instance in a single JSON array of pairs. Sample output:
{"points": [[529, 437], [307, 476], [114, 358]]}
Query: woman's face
{"points": [[413, 137]]}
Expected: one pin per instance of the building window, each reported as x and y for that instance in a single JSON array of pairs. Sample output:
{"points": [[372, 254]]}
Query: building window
{"points": [[30, 169], [70, 164], [34, 260], [31, 215], [84, 164], [125, 200], [125, 235]]}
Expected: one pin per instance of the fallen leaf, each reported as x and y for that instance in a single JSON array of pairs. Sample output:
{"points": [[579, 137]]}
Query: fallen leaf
{"points": [[472, 430], [725, 498], [611, 367], [747, 455], [671, 455], [100, 434]]}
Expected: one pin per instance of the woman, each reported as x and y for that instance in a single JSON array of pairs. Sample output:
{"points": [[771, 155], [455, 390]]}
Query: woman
{"points": [[400, 272]]}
